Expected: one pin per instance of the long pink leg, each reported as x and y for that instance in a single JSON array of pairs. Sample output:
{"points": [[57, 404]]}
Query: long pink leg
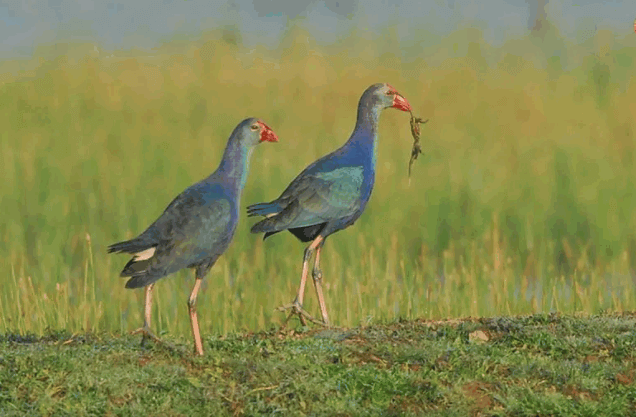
{"points": [[148, 305], [317, 276], [303, 279], [194, 321], [298, 303], [145, 330], [147, 310]]}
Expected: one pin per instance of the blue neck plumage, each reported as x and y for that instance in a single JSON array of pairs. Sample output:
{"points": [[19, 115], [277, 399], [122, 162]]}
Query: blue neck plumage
{"points": [[365, 134], [235, 164]]}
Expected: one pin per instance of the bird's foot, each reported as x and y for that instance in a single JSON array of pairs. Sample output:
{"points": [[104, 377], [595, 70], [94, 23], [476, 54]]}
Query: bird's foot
{"points": [[297, 309], [147, 334]]}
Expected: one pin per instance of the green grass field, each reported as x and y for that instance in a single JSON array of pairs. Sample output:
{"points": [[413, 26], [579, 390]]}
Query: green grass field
{"points": [[523, 201], [538, 365]]}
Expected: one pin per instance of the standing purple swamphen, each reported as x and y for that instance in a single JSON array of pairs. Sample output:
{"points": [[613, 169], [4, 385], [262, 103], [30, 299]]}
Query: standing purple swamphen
{"points": [[331, 193], [196, 228]]}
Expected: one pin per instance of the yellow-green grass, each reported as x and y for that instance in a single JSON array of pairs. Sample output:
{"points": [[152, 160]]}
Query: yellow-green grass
{"points": [[523, 200], [543, 364]]}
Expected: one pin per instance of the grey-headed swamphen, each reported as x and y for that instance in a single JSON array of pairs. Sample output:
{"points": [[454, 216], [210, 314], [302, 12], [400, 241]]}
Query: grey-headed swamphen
{"points": [[196, 228], [331, 193]]}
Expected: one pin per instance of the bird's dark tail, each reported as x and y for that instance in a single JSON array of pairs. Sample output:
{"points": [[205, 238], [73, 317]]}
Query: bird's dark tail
{"points": [[265, 226], [142, 280], [263, 209], [129, 246], [137, 267], [145, 273]]}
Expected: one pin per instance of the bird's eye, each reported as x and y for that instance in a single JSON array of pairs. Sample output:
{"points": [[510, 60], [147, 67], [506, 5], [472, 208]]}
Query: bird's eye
{"points": [[388, 92], [254, 127]]}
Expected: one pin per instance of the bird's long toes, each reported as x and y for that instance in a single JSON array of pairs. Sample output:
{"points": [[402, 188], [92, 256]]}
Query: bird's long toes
{"points": [[303, 315], [295, 307], [146, 334]]}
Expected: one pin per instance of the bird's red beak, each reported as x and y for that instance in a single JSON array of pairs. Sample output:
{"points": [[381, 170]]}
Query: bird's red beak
{"points": [[267, 134], [400, 102]]}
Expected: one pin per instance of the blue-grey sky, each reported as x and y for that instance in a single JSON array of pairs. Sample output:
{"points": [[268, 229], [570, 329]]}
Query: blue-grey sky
{"points": [[147, 23]]}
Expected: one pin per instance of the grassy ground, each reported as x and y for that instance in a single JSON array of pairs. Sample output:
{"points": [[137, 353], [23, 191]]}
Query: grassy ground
{"points": [[523, 366]]}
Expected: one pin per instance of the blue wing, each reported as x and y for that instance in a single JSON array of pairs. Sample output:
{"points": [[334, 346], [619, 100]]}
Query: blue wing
{"points": [[316, 196]]}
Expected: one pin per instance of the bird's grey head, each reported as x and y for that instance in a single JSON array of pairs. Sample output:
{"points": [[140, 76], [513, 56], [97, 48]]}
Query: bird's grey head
{"points": [[384, 96], [253, 131]]}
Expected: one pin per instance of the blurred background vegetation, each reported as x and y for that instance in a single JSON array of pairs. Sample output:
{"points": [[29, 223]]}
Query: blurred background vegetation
{"points": [[522, 202]]}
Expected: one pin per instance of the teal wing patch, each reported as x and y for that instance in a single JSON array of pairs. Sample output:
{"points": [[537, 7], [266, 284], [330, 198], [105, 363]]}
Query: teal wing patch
{"points": [[320, 197]]}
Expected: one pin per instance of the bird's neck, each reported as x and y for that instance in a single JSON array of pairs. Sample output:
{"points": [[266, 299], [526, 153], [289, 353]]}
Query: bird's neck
{"points": [[235, 165], [365, 134]]}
